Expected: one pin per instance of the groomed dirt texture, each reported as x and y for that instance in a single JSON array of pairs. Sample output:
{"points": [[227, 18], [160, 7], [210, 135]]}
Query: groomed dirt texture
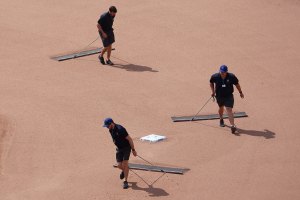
{"points": [[53, 145]]}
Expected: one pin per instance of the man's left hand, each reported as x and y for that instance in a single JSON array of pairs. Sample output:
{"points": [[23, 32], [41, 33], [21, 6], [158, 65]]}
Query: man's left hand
{"points": [[134, 153], [242, 95]]}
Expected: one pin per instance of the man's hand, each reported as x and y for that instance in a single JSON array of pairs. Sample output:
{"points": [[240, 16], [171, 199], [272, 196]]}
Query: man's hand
{"points": [[134, 152], [104, 35], [213, 95], [131, 145], [241, 95]]}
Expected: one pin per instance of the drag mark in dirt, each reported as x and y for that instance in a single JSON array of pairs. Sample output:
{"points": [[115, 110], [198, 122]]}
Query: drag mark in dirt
{"points": [[6, 136]]}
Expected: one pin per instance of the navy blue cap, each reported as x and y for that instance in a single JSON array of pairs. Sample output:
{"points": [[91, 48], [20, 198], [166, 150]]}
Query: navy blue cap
{"points": [[223, 69], [107, 122]]}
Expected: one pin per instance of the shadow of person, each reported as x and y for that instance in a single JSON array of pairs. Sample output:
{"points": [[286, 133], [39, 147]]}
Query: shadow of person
{"points": [[266, 133], [134, 68], [152, 191], [128, 67]]}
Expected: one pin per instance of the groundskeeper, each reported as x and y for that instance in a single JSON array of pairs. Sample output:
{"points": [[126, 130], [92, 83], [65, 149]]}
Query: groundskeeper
{"points": [[106, 32], [124, 145], [221, 85]]}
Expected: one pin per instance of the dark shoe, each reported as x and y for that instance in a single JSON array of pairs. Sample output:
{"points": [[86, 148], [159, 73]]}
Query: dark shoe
{"points": [[233, 129], [109, 62], [122, 175], [125, 185], [101, 60], [222, 123]]}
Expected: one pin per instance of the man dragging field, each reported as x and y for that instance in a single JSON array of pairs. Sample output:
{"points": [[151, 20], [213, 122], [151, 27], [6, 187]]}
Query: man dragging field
{"points": [[124, 145], [106, 33], [221, 85]]}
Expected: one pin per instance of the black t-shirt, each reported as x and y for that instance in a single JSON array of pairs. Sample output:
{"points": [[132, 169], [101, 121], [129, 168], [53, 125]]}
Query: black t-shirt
{"points": [[119, 135], [106, 22], [224, 88]]}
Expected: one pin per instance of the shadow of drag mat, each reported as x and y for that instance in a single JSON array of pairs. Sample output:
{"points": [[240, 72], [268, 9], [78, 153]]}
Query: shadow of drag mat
{"points": [[152, 191]]}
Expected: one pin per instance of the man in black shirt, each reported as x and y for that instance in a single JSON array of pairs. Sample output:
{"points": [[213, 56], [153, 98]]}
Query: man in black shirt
{"points": [[221, 85], [106, 32], [124, 145]]}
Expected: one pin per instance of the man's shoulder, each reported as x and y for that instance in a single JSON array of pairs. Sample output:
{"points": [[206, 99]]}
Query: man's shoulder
{"points": [[215, 75], [104, 15], [120, 127], [231, 75]]}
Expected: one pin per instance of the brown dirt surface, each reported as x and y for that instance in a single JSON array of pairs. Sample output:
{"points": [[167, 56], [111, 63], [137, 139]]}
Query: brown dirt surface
{"points": [[53, 146]]}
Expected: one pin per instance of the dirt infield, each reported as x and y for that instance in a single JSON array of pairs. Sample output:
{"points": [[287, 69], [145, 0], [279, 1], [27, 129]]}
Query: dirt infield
{"points": [[53, 146]]}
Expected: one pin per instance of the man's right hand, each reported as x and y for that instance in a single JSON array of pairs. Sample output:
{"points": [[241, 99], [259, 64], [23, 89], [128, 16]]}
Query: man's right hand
{"points": [[134, 153], [213, 95], [104, 35]]}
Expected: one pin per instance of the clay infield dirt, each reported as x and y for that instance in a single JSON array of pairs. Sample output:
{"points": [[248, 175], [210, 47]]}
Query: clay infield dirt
{"points": [[53, 145]]}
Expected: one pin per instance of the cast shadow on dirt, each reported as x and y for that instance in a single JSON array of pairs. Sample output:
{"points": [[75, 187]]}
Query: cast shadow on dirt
{"points": [[267, 134], [152, 191], [134, 68], [127, 66]]}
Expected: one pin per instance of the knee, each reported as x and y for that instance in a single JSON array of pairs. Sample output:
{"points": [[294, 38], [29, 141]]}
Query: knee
{"points": [[125, 165], [229, 110], [120, 166]]}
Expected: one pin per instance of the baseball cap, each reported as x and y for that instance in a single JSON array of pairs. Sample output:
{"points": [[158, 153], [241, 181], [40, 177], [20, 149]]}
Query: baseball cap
{"points": [[107, 122], [223, 69]]}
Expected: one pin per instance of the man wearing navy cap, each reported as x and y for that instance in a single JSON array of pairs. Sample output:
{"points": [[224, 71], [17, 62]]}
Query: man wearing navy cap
{"points": [[124, 145], [221, 85]]}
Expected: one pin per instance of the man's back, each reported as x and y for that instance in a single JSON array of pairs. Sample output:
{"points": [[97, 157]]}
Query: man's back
{"points": [[106, 21], [119, 134]]}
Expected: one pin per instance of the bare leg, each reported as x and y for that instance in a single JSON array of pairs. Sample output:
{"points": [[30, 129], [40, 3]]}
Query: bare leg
{"points": [[230, 115], [221, 111], [109, 52], [120, 166], [103, 51], [125, 169]]}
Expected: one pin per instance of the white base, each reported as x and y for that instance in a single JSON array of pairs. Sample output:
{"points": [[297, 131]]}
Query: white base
{"points": [[153, 138]]}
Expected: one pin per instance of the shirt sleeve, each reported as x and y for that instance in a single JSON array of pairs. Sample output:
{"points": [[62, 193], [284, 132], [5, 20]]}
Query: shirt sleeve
{"points": [[124, 132], [101, 20], [235, 80], [212, 80]]}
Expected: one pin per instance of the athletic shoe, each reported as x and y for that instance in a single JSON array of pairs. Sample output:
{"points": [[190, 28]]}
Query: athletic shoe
{"points": [[109, 62], [101, 60], [122, 175], [222, 123], [233, 129], [125, 185]]}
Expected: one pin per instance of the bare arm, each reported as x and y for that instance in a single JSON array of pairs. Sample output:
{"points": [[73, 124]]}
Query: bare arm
{"points": [[131, 145], [212, 87], [240, 90], [100, 30]]}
